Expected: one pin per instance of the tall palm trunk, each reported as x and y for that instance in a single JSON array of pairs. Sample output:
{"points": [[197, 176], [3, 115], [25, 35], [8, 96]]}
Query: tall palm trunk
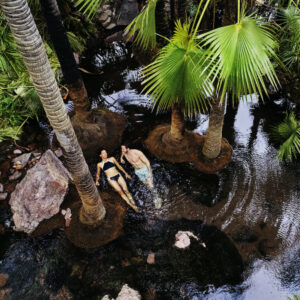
{"points": [[33, 51], [212, 145], [177, 123], [72, 76]]}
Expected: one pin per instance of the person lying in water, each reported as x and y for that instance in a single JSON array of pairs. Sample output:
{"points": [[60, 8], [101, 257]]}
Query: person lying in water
{"points": [[142, 169], [115, 179]]}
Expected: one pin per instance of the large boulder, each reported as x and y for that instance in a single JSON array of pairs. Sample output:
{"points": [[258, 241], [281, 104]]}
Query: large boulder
{"points": [[39, 195]]}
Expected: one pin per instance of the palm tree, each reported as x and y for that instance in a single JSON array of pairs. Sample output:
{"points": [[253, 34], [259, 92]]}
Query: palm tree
{"points": [[173, 82], [288, 132], [240, 57], [33, 52]]}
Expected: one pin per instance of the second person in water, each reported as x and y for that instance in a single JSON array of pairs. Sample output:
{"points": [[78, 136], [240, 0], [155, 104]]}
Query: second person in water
{"points": [[115, 179]]}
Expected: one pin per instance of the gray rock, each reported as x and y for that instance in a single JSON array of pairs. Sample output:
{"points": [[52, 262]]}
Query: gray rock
{"points": [[17, 151], [104, 16], [15, 176], [1, 188], [3, 196], [37, 154], [23, 159], [107, 22], [58, 152], [39, 195], [111, 26], [128, 11]]}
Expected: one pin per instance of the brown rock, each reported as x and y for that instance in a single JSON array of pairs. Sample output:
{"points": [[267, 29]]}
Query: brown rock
{"points": [[151, 259], [3, 196], [39, 195], [4, 293], [3, 279]]}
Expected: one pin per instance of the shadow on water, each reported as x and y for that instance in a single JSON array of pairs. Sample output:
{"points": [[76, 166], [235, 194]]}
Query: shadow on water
{"points": [[247, 214]]}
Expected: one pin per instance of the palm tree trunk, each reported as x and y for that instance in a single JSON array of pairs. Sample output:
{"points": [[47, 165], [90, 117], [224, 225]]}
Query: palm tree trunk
{"points": [[177, 123], [34, 54], [72, 76], [213, 140]]}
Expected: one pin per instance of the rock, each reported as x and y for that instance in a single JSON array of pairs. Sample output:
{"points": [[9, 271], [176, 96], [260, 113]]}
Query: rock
{"points": [[111, 26], [3, 279], [2, 229], [104, 16], [23, 159], [17, 151], [183, 239], [15, 176], [39, 195], [3, 196], [128, 11], [151, 259], [1, 188], [107, 22], [128, 293], [58, 152], [37, 154]]}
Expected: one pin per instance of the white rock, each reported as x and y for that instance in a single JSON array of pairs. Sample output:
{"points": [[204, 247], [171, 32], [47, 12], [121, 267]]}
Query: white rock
{"points": [[23, 159], [128, 293], [17, 151], [183, 239]]}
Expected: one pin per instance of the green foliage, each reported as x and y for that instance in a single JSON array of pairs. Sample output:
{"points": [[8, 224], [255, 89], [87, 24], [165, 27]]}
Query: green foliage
{"points": [[288, 132], [89, 7], [174, 75], [144, 26], [240, 56], [290, 38], [295, 297]]}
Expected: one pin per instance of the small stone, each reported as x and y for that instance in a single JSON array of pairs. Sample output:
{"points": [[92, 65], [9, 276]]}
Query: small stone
{"points": [[58, 152], [15, 176], [37, 154], [1, 188], [111, 26], [3, 279], [151, 259], [22, 159], [12, 171], [107, 22], [103, 17], [4, 293], [17, 151], [3, 196]]}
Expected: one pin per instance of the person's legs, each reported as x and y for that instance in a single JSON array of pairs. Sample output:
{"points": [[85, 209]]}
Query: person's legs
{"points": [[124, 187]]}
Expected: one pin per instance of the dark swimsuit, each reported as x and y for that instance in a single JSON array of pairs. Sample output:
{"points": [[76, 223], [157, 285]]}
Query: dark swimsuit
{"points": [[107, 165]]}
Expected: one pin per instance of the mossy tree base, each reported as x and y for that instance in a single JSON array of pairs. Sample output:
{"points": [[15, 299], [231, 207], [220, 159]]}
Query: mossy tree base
{"points": [[105, 130], [189, 149], [84, 236], [207, 165]]}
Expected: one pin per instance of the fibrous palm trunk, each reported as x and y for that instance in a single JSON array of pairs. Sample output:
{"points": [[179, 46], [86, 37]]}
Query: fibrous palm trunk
{"points": [[212, 145], [33, 51], [64, 52], [177, 123]]}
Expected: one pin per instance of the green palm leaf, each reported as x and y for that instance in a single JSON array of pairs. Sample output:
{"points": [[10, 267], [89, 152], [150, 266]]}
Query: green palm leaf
{"points": [[144, 25], [174, 76], [89, 7], [240, 56], [289, 132]]}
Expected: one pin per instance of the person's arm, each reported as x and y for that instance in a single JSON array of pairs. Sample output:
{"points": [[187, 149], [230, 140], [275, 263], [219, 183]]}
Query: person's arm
{"points": [[145, 160], [119, 167], [98, 173], [122, 159]]}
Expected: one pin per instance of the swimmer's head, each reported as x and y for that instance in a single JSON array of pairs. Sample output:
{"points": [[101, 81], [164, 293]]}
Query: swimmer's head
{"points": [[124, 148], [103, 154]]}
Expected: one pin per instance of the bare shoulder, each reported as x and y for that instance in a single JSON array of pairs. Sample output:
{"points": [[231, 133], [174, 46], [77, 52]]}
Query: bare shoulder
{"points": [[112, 158], [99, 165], [137, 152]]}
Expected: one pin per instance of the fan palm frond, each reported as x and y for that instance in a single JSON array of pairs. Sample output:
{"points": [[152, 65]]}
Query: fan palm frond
{"points": [[144, 26], [89, 7], [241, 56], [174, 76], [289, 132]]}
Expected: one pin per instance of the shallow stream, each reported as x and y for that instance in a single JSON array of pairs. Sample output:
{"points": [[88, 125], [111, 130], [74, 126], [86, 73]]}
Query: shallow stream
{"points": [[247, 214]]}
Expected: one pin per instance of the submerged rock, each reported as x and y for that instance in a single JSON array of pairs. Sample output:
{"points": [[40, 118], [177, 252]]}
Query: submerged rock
{"points": [[39, 195], [126, 293], [22, 159]]}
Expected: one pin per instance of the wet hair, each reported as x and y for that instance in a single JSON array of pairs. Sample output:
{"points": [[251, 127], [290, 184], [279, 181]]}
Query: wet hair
{"points": [[101, 149], [125, 145]]}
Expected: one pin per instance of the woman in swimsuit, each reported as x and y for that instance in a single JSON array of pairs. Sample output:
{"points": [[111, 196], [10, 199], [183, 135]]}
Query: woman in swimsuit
{"points": [[115, 179]]}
